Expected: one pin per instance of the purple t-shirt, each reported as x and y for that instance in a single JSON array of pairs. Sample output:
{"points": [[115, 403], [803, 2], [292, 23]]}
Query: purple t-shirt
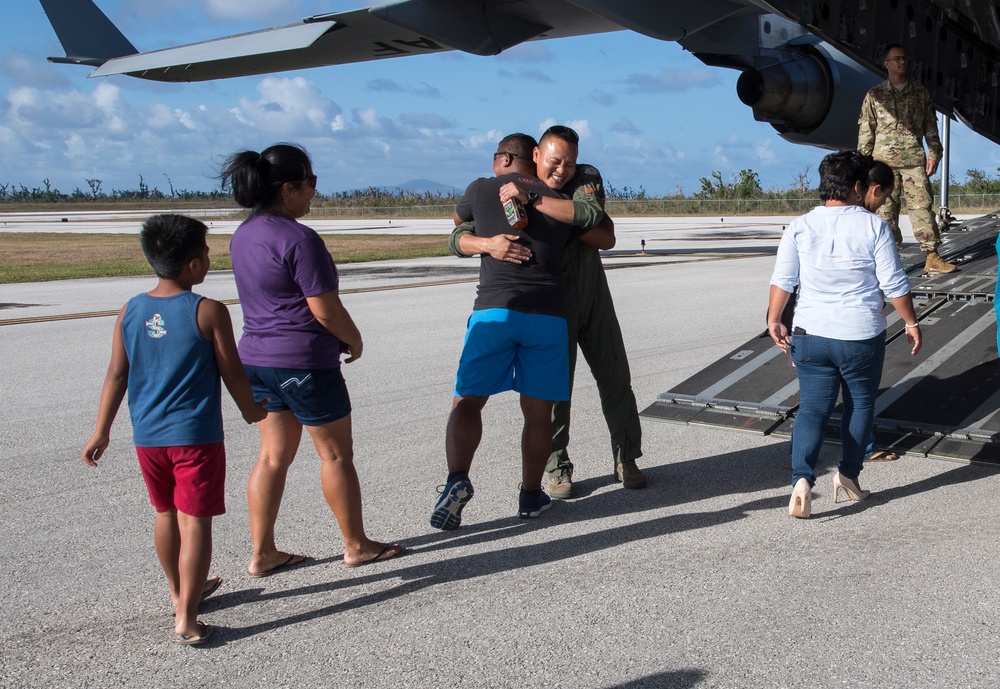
{"points": [[278, 262]]}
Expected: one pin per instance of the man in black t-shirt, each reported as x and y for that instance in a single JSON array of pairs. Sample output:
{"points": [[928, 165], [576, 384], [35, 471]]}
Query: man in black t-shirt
{"points": [[516, 339]]}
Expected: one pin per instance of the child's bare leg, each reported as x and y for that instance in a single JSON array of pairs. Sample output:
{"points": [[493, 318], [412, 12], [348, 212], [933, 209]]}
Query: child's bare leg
{"points": [[193, 562], [167, 539], [341, 487], [280, 434]]}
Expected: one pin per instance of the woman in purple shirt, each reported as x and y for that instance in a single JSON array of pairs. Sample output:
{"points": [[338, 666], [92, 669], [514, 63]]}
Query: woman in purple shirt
{"points": [[294, 331]]}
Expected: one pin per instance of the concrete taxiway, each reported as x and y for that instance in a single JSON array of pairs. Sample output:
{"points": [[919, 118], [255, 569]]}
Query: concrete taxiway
{"points": [[700, 580]]}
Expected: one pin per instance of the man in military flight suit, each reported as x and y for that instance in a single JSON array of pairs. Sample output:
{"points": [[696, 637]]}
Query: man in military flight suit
{"points": [[591, 318], [896, 116]]}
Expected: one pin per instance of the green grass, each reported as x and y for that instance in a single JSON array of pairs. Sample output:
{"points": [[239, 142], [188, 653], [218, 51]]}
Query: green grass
{"points": [[40, 256]]}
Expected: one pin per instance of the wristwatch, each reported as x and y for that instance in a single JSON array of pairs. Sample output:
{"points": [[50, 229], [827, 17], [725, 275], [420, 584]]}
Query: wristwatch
{"points": [[533, 198]]}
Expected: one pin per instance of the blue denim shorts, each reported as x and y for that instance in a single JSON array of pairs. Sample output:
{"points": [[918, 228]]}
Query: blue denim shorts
{"points": [[316, 396]]}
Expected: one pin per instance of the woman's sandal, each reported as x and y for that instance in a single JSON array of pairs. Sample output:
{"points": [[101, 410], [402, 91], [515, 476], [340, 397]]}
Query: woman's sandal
{"points": [[882, 456]]}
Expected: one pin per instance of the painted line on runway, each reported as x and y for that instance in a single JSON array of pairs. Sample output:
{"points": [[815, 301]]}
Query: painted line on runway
{"points": [[362, 290], [227, 302]]}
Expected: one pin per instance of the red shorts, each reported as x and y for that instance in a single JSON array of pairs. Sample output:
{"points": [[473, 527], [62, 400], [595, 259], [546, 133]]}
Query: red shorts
{"points": [[188, 478]]}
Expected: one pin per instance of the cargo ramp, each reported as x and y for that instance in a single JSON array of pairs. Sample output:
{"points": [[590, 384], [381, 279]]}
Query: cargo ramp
{"points": [[943, 403]]}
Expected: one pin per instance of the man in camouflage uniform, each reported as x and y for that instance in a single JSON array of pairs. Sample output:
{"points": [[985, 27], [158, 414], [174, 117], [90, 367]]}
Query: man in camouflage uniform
{"points": [[592, 323], [896, 116]]}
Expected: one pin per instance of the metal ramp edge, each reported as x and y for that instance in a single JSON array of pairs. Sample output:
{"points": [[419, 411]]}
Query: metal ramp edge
{"points": [[751, 390]]}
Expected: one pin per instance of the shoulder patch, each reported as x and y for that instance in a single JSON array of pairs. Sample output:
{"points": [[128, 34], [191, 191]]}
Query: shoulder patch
{"points": [[589, 170]]}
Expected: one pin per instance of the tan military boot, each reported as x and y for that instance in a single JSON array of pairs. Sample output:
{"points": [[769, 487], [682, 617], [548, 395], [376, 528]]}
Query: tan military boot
{"points": [[629, 474], [561, 485], [936, 264]]}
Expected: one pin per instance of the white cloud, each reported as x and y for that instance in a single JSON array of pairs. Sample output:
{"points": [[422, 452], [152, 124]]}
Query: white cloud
{"points": [[764, 151], [20, 70], [388, 85], [368, 119], [185, 119], [477, 142], [719, 157], [625, 126], [581, 127], [531, 52], [288, 107], [76, 147], [426, 120], [527, 74], [672, 81]]}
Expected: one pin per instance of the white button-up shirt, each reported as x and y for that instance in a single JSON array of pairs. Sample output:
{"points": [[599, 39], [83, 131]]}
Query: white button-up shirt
{"points": [[844, 260]]}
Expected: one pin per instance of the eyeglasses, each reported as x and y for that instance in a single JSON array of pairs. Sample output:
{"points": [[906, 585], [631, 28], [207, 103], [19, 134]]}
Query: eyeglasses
{"points": [[505, 153], [898, 58], [311, 181], [563, 132]]}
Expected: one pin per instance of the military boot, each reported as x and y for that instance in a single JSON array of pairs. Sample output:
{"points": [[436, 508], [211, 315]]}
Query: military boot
{"points": [[629, 475], [936, 264], [561, 485]]}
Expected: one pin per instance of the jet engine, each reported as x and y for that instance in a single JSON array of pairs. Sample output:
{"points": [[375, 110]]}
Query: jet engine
{"points": [[807, 90], [811, 99]]}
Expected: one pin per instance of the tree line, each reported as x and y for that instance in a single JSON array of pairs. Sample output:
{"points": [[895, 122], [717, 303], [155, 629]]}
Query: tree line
{"points": [[744, 184]]}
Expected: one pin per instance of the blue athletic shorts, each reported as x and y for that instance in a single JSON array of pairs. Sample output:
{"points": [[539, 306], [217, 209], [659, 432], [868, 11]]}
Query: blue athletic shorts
{"points": [[510, 350], [316, 396]]}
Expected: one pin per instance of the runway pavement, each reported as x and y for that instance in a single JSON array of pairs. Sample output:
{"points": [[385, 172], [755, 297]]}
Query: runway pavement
{"points": [[701, 580]]}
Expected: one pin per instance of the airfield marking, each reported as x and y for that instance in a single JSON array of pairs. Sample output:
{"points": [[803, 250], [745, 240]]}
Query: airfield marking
{"points": [[928, 366], [704, 258]]}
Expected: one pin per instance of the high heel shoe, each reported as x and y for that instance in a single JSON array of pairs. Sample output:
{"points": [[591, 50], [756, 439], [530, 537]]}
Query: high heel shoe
{"points": [[850, 487], [800, 505]]}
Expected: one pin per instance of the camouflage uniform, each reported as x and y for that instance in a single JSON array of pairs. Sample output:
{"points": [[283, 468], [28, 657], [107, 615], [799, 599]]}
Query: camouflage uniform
{"points": [[891, 128], [593, 326]]}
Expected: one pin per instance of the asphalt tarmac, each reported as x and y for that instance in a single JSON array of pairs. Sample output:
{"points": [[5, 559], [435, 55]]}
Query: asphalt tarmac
{"points": [[700, 580]]}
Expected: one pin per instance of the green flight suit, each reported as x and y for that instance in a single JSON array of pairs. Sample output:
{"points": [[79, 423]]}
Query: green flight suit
{"points": [[593, 325], [892, 128]]}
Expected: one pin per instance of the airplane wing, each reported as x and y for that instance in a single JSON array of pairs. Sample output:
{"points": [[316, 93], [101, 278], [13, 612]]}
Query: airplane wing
{"points": [[805, 65], [395, 30]]}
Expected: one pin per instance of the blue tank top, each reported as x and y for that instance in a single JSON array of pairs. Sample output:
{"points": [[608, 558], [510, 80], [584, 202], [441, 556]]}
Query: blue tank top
{"points": [[174, 388]]}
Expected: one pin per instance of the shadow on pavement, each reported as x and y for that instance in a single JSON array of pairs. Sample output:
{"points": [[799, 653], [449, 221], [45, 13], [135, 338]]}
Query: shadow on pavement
{"points": [[693, 481]]}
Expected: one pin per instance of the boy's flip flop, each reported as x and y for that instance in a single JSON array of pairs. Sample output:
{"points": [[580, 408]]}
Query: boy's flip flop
{"points": [[212, 585], [194, 640], [387, 553], [291, 561]]}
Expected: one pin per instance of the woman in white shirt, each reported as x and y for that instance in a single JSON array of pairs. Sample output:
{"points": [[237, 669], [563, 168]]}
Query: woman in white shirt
{"points": [[844, 262]]}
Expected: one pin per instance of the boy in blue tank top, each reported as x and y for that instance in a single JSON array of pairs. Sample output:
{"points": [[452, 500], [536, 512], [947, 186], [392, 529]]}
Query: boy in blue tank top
{"points": [[169, 351]]}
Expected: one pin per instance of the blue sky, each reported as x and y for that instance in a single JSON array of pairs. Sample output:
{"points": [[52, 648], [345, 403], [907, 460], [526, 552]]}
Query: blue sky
{"points": [[650, 115]]}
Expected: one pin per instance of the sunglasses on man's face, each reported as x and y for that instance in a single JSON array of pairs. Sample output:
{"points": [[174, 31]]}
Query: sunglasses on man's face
{"points": [[311, 181]]}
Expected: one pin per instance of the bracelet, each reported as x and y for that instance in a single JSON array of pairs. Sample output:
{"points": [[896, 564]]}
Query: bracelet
{"points": [[915, 325]]}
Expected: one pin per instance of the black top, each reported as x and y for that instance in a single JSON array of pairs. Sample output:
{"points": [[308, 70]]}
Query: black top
{"points": [[531, 287]]}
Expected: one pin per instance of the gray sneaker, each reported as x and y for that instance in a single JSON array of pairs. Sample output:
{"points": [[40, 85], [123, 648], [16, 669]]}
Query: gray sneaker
{"points": [[560, 486], [629, 475]]}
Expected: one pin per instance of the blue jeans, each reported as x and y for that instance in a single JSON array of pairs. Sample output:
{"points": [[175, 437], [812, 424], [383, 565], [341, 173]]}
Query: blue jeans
{"points": [[826, 367]]}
